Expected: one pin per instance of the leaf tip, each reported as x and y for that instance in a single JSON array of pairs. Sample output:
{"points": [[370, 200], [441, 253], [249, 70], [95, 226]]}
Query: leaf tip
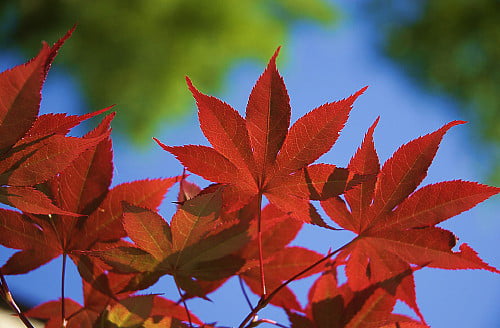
{"points": [[449, 125], [192, 88], [161, 144], [360, 91], [272, 61]]}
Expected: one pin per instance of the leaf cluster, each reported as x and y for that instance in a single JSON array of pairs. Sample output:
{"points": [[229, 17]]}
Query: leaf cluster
{"points": [[64, 206]]}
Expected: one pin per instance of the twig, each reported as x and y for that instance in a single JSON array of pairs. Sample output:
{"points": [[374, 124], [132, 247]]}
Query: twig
{"points": [[272, 322], [264, 301], [245, 293], [184, 303], [257, 322], [7, 296]]}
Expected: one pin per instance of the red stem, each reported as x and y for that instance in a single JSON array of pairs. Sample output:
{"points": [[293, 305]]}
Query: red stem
{"points": [[259, 238]]}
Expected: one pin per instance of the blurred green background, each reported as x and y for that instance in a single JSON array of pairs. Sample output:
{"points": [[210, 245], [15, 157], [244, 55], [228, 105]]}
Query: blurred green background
{"points": [[451, 47], [136, 53]]}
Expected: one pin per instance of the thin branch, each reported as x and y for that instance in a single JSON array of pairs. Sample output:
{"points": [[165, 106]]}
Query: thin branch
{"points": [[256, 322], [184, 303], [245, 293], [264, 301], [7, 296]]}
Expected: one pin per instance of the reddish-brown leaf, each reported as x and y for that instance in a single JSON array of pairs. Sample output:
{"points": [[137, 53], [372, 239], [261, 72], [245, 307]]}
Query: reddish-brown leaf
{"points": [[20, 94], [315, 182], [37, 243], [332, 306], [215, 166], [38, 162], [268, 116], [195, 219], [65, 191], [82, 188], [314, 134], [368, 265], [30, 200], [130, 259], [58, 123], [301, 209], [435, 203], [196, 245], [85, 182], [395, 223], [226, 131], [148, 230], [256, 156], [105, 224], [403, 172], [365, 162], [198, 239]]}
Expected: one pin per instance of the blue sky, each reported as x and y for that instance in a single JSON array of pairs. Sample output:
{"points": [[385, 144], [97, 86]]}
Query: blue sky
{"points": [[321, 65]]}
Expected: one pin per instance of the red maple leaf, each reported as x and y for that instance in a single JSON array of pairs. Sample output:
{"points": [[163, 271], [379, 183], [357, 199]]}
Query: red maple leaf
{"points": [[82, 188], [396, 224], [34, 149], [196, 246], [260, 156], [333, 306]]}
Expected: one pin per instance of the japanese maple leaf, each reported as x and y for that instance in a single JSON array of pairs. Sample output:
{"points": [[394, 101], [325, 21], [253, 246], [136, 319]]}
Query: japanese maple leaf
{"points": [[82, 188], [30, 152], [396, 224], [258, 155], [333, 306], [195, 245]]}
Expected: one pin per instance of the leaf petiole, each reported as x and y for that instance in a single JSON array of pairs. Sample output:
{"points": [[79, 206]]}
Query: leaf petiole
{"points": [[63, 303], [183, 300], [259, 238]]}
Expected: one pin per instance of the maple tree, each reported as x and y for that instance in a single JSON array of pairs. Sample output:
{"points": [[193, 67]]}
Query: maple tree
{"points": [[64, 206]]}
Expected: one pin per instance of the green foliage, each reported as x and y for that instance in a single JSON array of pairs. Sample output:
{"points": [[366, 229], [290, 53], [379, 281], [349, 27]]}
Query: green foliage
{"points": [[138, 52], [450, 46]]}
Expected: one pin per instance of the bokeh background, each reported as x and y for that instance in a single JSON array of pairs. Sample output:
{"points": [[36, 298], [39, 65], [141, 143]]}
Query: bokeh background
{"points": [[426, 62]]}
